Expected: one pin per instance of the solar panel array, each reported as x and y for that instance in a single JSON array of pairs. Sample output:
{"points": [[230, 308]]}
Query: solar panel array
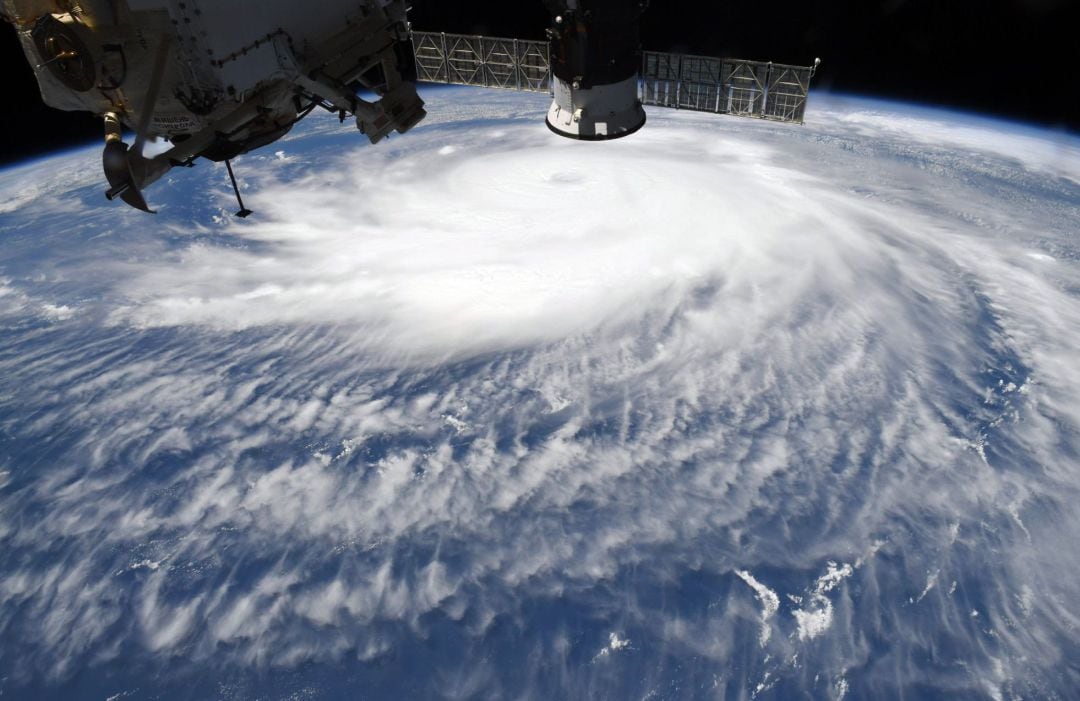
{"points": [[726, 86], [490, 62], [720, 85]]}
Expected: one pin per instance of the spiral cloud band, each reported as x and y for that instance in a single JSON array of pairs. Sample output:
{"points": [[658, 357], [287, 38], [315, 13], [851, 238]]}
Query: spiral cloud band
{"points": [[724, 410]]}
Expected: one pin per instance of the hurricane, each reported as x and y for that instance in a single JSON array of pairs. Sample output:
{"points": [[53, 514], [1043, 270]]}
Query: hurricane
{"points": [[727, 409]]}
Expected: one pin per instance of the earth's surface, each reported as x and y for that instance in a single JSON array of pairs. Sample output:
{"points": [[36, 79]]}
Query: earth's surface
{"points": [[728, 409]]}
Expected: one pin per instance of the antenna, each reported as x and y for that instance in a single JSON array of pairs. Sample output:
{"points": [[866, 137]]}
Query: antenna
{"points": [[244, 211]]}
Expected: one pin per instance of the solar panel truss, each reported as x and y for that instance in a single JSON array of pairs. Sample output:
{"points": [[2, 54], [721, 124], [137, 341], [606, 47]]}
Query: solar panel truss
{"points": [[726, 86], [490, 62], [763, 90]]}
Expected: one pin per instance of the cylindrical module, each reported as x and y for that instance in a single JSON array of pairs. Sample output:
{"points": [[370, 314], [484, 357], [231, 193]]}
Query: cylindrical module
{"points": [[595, 59]]}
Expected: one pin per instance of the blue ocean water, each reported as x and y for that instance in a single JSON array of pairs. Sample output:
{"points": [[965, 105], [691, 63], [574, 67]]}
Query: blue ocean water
{"points": [[730, 410]]}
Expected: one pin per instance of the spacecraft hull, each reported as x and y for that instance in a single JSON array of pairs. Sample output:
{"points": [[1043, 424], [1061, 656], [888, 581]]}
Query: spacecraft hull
{"points": [[595, 58], [217, 79], [600, 113]]}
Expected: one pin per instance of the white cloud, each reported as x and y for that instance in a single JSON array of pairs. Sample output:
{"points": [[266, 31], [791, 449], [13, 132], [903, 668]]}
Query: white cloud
{"points": [[770, 604], [424, 392], [816, 618], [524, 241], [615, 643], [57, 312]]}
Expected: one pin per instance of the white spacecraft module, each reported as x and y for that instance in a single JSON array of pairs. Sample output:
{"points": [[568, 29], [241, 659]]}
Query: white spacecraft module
{"points": [[595, 57], [216, 78]]}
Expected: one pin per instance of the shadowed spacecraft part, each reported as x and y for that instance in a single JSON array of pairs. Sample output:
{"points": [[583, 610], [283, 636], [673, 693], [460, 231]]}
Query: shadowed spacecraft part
{"points": [[217, 81]]}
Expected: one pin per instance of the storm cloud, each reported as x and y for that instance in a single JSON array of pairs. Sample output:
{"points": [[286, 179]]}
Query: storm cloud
{"points": [[725, 409]]}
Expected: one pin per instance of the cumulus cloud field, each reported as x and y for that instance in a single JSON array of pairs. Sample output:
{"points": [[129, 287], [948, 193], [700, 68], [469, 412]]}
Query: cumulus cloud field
{"points": [[727, 409]]}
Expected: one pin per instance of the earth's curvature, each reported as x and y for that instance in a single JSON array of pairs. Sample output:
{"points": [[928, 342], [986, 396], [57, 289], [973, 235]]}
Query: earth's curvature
{"points": [[728, 409]]}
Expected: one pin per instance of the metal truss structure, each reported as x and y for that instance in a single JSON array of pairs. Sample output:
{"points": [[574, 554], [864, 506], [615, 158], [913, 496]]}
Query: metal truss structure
{"points": [[490, 62], [773, 91]]}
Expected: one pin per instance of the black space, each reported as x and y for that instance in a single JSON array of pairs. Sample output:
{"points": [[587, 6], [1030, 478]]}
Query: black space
{"points": [[1009, 58]]}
